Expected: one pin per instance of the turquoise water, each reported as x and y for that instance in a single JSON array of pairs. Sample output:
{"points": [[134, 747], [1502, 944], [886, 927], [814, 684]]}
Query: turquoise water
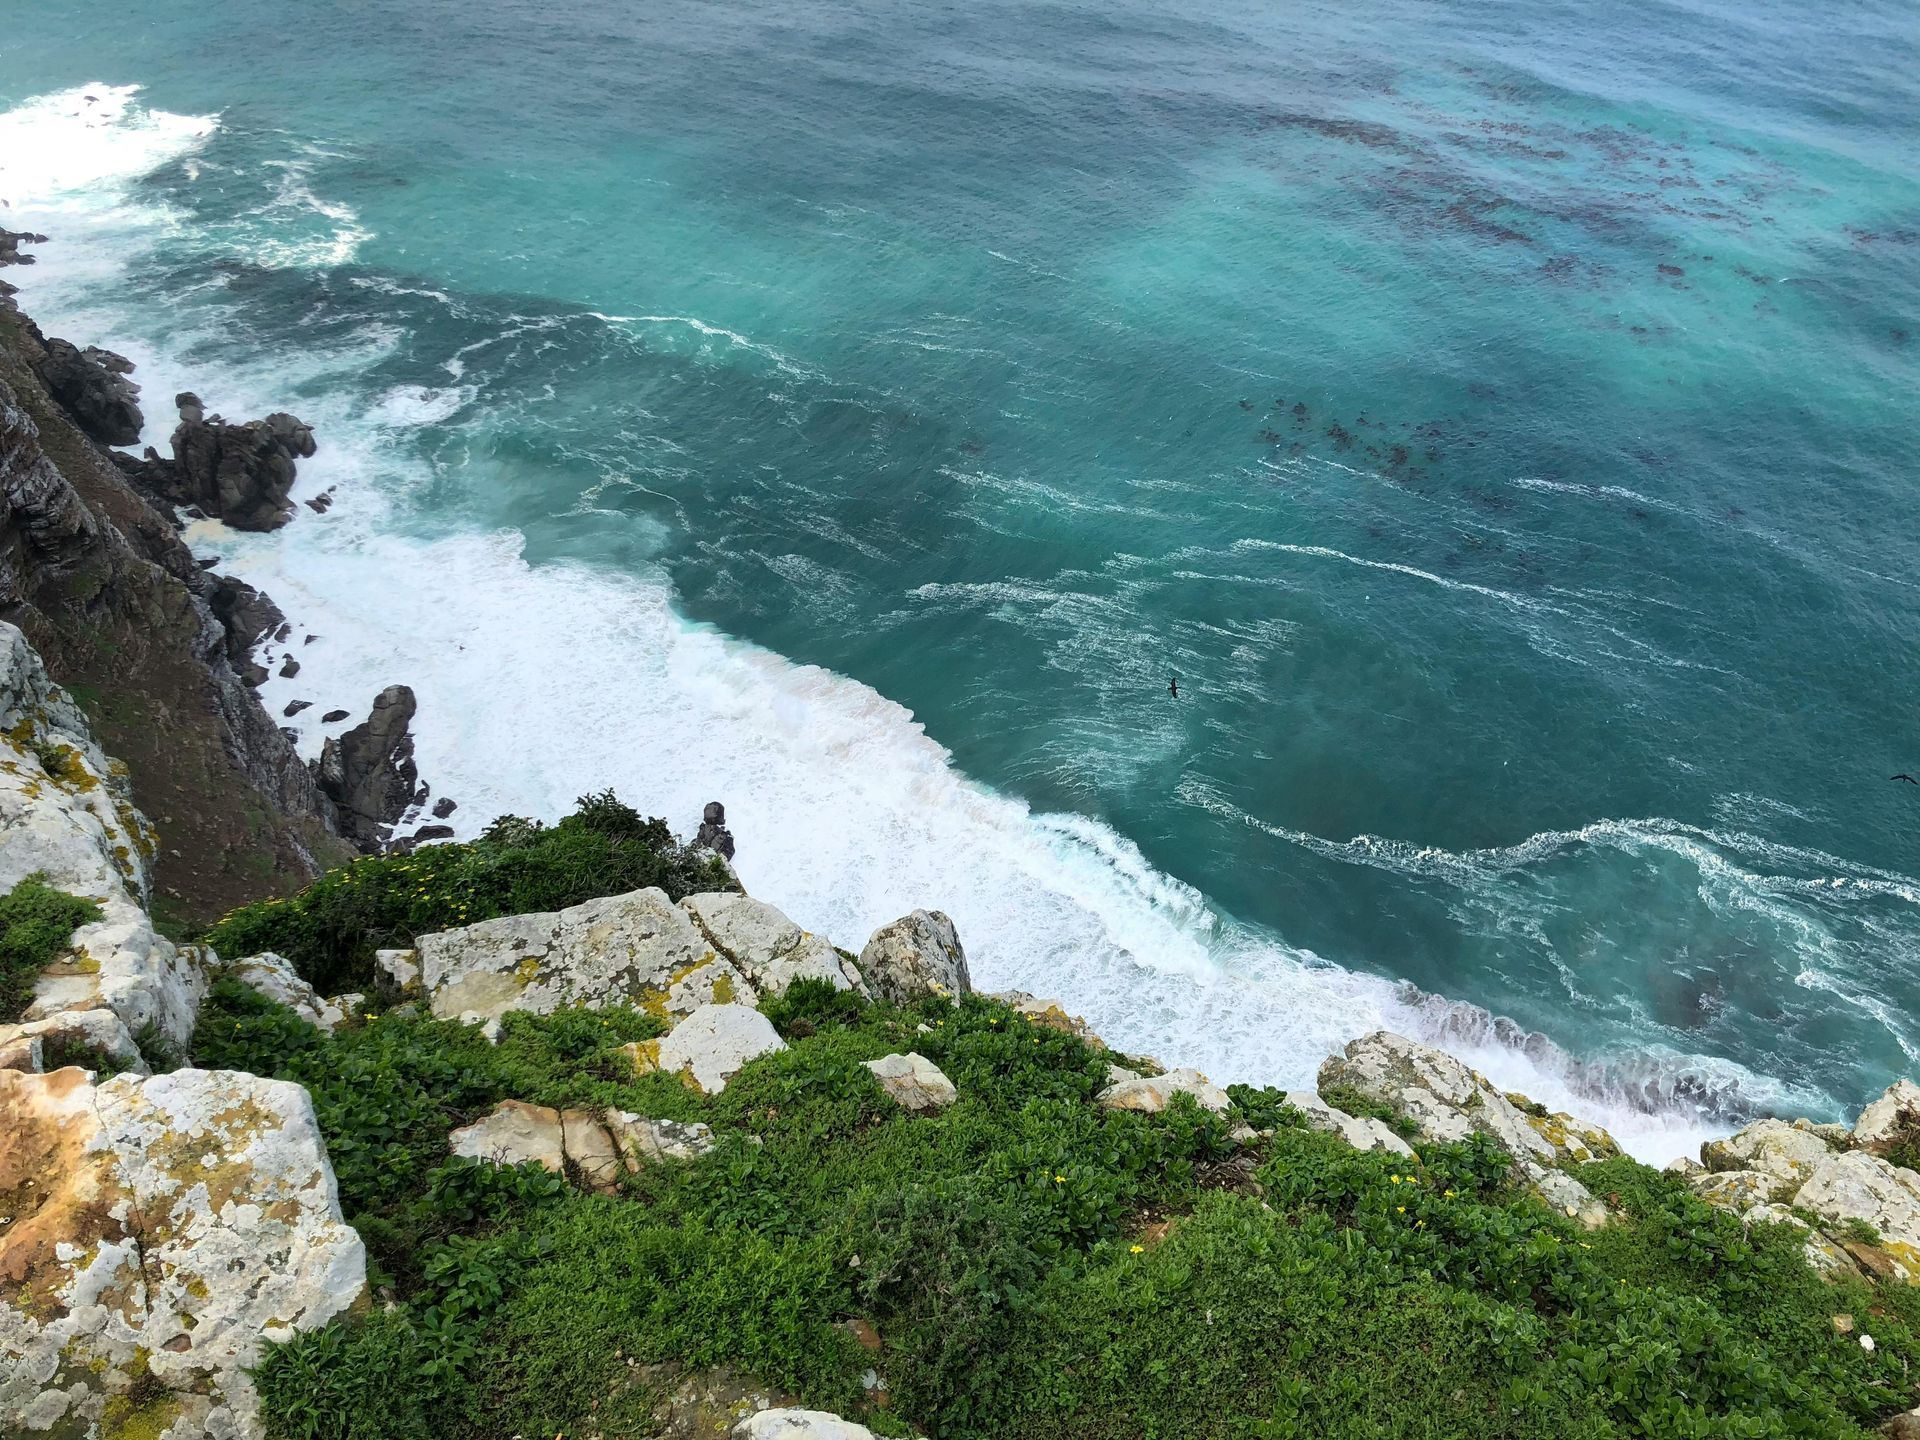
{"points": [[1500, 417]]}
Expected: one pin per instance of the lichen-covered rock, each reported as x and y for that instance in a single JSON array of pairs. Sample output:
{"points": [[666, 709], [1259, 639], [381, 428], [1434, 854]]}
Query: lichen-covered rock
{"points": [[1050, 1013], [1448, 1101], [274, 977], [641, 1141], [1891, 1121], [1153, 1093], [164, 1226], [1774, 1148], [97, 1034], [1822, 1253], [514, 1133], [771, 950], [617, 949], [917, 955], [1737, 1189], [1853, 1185], [398, 972], [1363, 1132], [714, 981], [709, 1047], [799, 1425], [66, 813], [913, 1081]]}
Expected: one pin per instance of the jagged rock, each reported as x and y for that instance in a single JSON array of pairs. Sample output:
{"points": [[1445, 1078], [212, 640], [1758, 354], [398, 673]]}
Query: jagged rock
{"points": [[92, 386], [768, 948], [166, 1223], [66, 813], [713, 833], [1738, 1189], [799, 1425], [618, 949], [1786, 1153], [1685, 1166], [1153, 1093], [246, 618], [369, 773], [294, 707], [444, 807], [10, 243], [1891, 1121], [1853, 1185], [241, 474], [1363, 1132], [515, 1133], [289, 667], [333, 717], [1447, 1101], [914, 1082], [274, 977], [916, 955], [709, 1047], [1050, 1013], [649, 1142]]}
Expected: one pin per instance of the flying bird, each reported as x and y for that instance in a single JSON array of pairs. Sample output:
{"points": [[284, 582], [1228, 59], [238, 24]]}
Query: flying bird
{"points": [[1908, 778]]}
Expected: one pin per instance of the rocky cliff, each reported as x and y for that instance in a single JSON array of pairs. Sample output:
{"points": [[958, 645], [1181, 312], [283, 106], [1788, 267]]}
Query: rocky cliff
{"points": [[148, 644]]}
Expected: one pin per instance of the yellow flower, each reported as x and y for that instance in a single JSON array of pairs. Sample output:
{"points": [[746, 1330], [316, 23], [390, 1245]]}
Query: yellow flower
{"points": [[1139, 1249], [1059, 1179], [1449, 1194], [1394, 1178], [1419, 1224], [1399, 1209]]}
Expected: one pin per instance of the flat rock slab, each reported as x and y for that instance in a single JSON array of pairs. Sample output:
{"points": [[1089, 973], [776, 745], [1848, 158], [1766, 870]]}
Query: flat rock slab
{"points": [[1854, 1185], [767, 947], [516, 1133], [709, 1047], [914, 1082], [1363, 1132], [799, 1425]]}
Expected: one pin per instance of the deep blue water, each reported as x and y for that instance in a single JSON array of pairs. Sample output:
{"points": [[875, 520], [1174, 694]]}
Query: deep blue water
{"points": [[1499, 416]]}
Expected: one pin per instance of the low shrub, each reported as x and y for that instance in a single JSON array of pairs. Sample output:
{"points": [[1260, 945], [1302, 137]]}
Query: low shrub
{"points": [[36, 927], [331, 929]]}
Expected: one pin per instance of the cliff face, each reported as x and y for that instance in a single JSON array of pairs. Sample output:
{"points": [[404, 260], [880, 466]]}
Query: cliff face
{"points": [[126, 620]]}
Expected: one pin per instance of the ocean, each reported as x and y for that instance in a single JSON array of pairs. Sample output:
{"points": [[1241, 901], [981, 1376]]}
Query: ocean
{"points": [[1499, 417]]}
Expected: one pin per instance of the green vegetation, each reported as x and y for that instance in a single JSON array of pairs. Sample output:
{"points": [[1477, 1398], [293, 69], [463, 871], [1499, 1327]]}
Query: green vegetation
{"points": [[36, 926], [331, 929], [1035, 1265]]}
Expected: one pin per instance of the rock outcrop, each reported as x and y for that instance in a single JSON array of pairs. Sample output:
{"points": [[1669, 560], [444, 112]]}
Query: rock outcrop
{"points": [[1891, 1122], [117, 607], [1446, 1100], [369, 773], [66, 814], [619, 949], [93, 387], [593, 1149], [274, 977], [1151, 1094], [917, 955], [713, 833], [135, 1206], [241, 474], [1363, 1132], [771, 950]]}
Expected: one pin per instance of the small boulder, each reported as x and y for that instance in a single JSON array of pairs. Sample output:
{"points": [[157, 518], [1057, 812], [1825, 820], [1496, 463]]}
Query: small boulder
{"points": [[713, 833], [1153, 1093], [398, 971], [1771, 1147], [917, 955], [649, 1142], [709, 1047], [914, 1082], [274, 977], [591, 1150], [514, 1134], [1891, 1121], [771, 950]]}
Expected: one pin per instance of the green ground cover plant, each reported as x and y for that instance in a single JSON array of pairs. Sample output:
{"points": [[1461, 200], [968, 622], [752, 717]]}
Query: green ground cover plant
{"points": [[36, 927], [1035, 1265], [331, 929]]}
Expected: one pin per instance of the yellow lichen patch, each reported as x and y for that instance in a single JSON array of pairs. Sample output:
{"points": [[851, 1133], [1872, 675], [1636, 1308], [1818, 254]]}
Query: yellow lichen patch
{"points": [[527, 971], [126, 1418], [645, 1055], [723, 990]]}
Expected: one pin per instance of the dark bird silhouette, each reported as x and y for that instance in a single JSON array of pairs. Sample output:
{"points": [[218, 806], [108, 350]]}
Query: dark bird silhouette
{"points": [[1908, 778], [1173, 687]]}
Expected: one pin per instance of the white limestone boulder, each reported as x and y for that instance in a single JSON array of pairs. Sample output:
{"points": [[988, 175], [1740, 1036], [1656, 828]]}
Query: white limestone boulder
{"points": [[641, 1141], [514, 1133], [913, 1081], [1788, 1153], [1363, 1132], [709, 1047], [1150, 1094], [617, 949], [915, 956], [768, 948], [167, 1224], [37, 1044]]}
